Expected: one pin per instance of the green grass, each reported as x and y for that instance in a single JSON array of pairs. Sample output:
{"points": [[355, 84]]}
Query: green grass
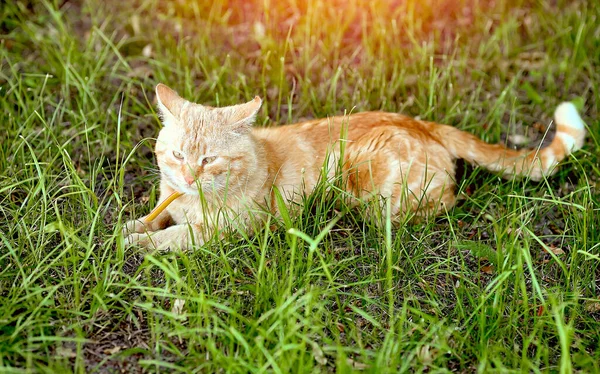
{"points": [[508, 280]]}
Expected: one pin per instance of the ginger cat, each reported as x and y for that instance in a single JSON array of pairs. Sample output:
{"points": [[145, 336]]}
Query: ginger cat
{"points": [[388, 155]]}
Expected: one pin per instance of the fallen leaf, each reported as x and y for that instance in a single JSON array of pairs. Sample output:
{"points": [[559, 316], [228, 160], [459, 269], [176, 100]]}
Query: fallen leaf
{"points": [[113, 350], [65, 352], [178, 306], [318, 354], [356, 365], [593, 307], [425, 354], [147, 51], [540, 310], [135, 24], [517, 232], [518, 139], [141, 71], [540, 127]]}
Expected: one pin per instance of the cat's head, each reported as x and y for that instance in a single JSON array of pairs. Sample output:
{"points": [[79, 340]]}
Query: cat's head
{"points": [[204, 147]]}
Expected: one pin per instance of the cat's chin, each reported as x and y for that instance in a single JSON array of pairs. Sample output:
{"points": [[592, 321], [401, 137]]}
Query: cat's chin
{"points": [[191, 191]]}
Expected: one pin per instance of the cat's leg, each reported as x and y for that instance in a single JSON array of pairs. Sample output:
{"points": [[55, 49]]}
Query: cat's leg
{"points": [[434, 201], [176, 237], [427, 189], [416, 175]]}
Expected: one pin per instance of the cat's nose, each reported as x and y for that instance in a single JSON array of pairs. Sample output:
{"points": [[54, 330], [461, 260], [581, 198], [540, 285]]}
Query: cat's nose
{"points": [[189, 179]]}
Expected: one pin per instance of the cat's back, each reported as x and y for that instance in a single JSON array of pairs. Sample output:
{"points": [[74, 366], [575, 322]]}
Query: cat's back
{"points": [[351, 127], [296, 153]]}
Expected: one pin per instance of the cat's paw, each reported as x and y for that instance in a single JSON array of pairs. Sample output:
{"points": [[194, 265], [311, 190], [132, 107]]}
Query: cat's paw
{"points": [[139, 239], [172, 238], [135, 226], [149, 241]]}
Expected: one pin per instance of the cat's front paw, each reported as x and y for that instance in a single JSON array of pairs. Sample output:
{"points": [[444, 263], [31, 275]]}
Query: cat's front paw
{"points": [[150, 241], [139, 239], [178, 237], [135, 226]]}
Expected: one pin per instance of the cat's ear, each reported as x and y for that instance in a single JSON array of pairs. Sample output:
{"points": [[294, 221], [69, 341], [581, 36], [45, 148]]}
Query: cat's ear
{"points": [[169, 103], [242, 116]]}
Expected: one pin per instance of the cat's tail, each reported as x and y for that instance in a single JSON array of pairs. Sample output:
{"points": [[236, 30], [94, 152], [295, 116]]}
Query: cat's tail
{"points": [[535, 163]]}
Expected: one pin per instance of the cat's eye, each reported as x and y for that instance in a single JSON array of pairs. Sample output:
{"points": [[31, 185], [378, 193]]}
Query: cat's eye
{"points": [[178, 155], [208, 160]]}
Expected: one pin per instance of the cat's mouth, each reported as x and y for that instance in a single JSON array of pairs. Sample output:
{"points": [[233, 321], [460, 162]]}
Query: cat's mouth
{"points": [[196, 188], [173, 182]]}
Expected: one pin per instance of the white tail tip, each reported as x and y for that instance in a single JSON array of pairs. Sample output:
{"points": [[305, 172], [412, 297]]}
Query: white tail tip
{"points": [[566, 115], [571, 129]]}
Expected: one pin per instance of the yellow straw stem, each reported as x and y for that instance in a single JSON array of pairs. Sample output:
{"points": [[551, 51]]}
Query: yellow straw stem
{"points": [[160, 207]]}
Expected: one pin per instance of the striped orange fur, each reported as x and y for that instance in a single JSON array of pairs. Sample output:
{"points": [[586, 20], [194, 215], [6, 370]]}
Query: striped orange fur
{"points": [[408, 161]]}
